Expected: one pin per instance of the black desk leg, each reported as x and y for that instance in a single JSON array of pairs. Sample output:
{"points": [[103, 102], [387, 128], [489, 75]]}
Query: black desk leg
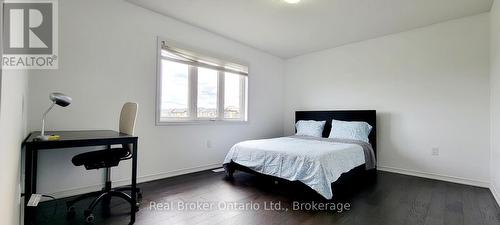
{"points": [[29, 184], [134, 183], [34, 169]]}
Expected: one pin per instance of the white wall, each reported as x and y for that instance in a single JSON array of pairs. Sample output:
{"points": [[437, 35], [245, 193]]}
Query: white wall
{"points": [[13, 92], [107, 57], [430, 87], [495, 97], [12, 133]]}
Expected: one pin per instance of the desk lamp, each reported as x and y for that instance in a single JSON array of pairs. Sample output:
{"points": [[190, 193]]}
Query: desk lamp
{"points": [[57, 99]]}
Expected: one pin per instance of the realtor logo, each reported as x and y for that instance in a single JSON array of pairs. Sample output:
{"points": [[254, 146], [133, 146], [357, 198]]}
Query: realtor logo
{"points": [[29, 35]]}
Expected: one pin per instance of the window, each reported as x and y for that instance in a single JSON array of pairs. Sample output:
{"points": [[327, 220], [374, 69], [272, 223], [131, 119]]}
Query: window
{"points": [[174, 90], [208, 83], [233, 95], [194, 88]]}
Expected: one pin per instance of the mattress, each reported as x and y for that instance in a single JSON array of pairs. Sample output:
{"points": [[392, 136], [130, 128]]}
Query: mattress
{"points": [[315, 162]]}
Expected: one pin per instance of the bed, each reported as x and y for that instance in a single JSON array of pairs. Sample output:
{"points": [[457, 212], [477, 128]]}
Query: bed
{"points": [[317, 162]]}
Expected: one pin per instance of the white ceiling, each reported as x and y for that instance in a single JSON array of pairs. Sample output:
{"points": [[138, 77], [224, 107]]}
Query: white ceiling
{"points": [[288, 30]]}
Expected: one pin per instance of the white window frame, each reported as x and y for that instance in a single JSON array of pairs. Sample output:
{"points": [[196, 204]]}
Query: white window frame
{"points": [[193, 93]]}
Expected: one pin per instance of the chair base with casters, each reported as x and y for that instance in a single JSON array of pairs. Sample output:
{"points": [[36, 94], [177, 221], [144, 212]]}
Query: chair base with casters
{"points": [[111, 159]]}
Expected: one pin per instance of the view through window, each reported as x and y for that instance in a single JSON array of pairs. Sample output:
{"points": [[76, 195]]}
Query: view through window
{"points": [[196, 89]]}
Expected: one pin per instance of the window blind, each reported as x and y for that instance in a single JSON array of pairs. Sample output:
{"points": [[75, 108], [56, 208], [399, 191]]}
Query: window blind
{"points": [[174, 54]]}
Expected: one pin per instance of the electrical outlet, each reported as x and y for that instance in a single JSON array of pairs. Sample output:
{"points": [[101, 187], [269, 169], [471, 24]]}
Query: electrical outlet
{"points": [[435, 151]]}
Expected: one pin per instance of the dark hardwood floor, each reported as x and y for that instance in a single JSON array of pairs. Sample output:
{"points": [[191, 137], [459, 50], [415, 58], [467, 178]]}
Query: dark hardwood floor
{"points": [[389, 199]]}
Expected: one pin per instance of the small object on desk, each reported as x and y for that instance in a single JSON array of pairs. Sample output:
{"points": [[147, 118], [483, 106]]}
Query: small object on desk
{"points": [[54, 137], [61, 100]]}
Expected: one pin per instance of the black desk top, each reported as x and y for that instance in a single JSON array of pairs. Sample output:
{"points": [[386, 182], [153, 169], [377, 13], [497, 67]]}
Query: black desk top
{"points": [[79, 139]]}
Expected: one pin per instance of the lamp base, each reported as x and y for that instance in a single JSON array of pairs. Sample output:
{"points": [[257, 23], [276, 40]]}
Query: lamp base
{"points": [[43, 138]]}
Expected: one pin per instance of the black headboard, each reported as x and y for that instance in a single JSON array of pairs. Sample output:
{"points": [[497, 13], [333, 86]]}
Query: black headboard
{"points": [[369, 116]]}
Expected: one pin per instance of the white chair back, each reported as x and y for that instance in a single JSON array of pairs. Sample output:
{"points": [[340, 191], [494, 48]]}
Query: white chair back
{"points": [[128, 117]]}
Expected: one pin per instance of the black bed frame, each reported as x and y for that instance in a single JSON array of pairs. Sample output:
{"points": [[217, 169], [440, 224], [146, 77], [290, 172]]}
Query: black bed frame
{"points": [[353, 176]]}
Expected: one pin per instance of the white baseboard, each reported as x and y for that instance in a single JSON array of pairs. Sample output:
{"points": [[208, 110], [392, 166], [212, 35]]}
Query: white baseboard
{"points": [[142, 179], [435, 176], [495, 193]]}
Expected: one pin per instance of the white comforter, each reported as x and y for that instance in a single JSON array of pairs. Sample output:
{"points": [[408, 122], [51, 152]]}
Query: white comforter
{"points": [[315, 163]]}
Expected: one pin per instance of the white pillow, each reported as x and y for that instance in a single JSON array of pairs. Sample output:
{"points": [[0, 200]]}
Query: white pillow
{"points": [[310, 128], [350, 130]]}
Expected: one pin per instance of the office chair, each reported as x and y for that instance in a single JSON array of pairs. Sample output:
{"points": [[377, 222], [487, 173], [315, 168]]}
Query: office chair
{"points": [[107, 159]]}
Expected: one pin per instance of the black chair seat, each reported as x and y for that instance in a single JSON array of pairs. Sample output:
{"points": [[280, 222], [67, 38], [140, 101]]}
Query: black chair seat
{"points": [[101, 159]]}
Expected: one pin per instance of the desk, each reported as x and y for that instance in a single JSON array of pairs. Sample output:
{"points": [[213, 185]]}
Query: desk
{"points": [[72, 139]]}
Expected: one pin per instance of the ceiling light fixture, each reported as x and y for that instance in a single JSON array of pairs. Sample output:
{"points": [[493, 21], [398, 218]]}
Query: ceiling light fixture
{"points": [[292, 1]]}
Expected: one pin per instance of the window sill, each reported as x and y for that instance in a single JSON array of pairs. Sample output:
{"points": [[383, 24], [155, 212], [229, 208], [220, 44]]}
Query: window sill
{"points": [[201, 122]]}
